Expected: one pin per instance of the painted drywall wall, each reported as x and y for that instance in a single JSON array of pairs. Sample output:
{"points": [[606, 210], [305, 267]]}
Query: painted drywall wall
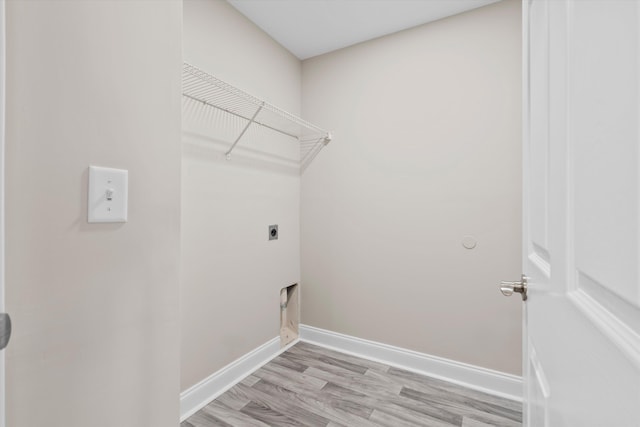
{"points": [[231, 273], [426, 150], [95, 306]]}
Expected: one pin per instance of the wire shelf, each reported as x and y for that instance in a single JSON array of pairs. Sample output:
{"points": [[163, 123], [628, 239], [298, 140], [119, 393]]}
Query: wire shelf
{"points": [[200, 86]]}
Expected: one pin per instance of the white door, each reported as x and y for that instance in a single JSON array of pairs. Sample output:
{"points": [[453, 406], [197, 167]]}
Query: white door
{"points": [[582, 218]]}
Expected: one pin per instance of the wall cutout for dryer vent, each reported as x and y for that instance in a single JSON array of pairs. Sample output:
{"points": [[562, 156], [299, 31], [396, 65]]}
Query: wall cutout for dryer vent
{"points": [[289, 314]]}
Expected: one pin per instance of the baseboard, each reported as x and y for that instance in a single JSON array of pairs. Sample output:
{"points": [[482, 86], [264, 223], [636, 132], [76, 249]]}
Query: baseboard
{"points": [[198, 396], [486, 380]]}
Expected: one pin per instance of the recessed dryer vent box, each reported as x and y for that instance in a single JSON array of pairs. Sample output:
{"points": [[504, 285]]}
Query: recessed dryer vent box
{"points": [[289, 315]]}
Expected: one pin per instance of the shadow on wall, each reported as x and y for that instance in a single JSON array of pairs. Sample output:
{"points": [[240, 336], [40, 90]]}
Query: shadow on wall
{"points": [[211, 132]]}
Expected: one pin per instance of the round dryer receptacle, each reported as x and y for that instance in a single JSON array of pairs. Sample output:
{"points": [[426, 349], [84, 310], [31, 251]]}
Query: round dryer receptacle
{"points": [[469, 242]]}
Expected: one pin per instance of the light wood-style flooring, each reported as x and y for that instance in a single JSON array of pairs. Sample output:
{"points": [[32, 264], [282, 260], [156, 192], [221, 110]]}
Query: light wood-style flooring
{"points": [[312, 386]]}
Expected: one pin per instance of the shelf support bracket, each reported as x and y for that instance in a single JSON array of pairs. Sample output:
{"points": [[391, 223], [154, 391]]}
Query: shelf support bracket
{"points": [[228, 153]]}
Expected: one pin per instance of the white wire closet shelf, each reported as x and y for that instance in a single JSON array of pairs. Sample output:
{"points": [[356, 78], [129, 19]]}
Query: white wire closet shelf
{"points": [[201, 86]]}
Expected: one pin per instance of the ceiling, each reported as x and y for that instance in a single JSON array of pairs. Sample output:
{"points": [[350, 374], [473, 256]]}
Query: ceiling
{"points": [[309, 28]]}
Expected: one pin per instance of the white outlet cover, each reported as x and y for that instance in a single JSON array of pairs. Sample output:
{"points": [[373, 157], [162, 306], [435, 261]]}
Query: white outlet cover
{"points": [[108, 194]]}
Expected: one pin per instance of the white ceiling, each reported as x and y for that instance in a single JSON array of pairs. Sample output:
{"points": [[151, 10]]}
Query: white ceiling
{"points": [[312, 27]]}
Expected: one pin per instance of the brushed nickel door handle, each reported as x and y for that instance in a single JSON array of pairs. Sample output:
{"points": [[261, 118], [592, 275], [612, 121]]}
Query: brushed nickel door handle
{"points": [[508, 288]]}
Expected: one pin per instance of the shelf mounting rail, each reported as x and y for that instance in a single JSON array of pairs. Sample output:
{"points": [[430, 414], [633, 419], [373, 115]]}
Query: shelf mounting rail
{"points": [[201, 86]]}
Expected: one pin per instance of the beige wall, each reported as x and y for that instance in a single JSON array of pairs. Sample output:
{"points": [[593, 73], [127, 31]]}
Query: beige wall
{"points": [[426, 150], [95, 306], [231, 273]]}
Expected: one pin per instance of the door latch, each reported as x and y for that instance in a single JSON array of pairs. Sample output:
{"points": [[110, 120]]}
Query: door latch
{"points": [[508, 288], [5, 330]]}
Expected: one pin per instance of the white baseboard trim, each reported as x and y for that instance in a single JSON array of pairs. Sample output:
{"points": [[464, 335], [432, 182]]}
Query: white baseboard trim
{"points": [[486, 380], [198, 396]]}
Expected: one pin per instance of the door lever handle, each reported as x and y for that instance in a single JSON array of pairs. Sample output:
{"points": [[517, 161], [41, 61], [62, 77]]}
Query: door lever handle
{"points": [[508, 288]]}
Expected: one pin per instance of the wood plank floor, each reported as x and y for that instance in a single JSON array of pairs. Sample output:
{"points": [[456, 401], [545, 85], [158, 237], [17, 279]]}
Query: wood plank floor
{"points": [[312, 386]]}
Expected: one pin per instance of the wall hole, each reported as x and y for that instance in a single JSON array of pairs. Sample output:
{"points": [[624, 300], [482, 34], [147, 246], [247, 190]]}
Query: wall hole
{"points": [[289, 314]]}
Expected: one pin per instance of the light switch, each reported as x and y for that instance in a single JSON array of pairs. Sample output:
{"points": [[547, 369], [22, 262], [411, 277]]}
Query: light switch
{"points": [[107, 201]]}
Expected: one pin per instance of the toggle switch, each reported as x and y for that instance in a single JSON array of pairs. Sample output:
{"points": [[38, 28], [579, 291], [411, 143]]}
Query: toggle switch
{"points": [[107, 199]]}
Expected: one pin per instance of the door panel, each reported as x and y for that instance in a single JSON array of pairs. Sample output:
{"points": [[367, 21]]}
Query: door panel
{"points": [[539, 392], [603, 129], [538, 249], [582, 318]]}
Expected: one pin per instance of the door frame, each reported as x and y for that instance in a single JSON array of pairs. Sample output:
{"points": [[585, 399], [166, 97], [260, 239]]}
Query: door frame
{"points": [[2, 234], [525, 203]]}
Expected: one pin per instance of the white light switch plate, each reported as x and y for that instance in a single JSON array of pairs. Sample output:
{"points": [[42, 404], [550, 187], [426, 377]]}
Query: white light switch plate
{"points": [[107, 194]]}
